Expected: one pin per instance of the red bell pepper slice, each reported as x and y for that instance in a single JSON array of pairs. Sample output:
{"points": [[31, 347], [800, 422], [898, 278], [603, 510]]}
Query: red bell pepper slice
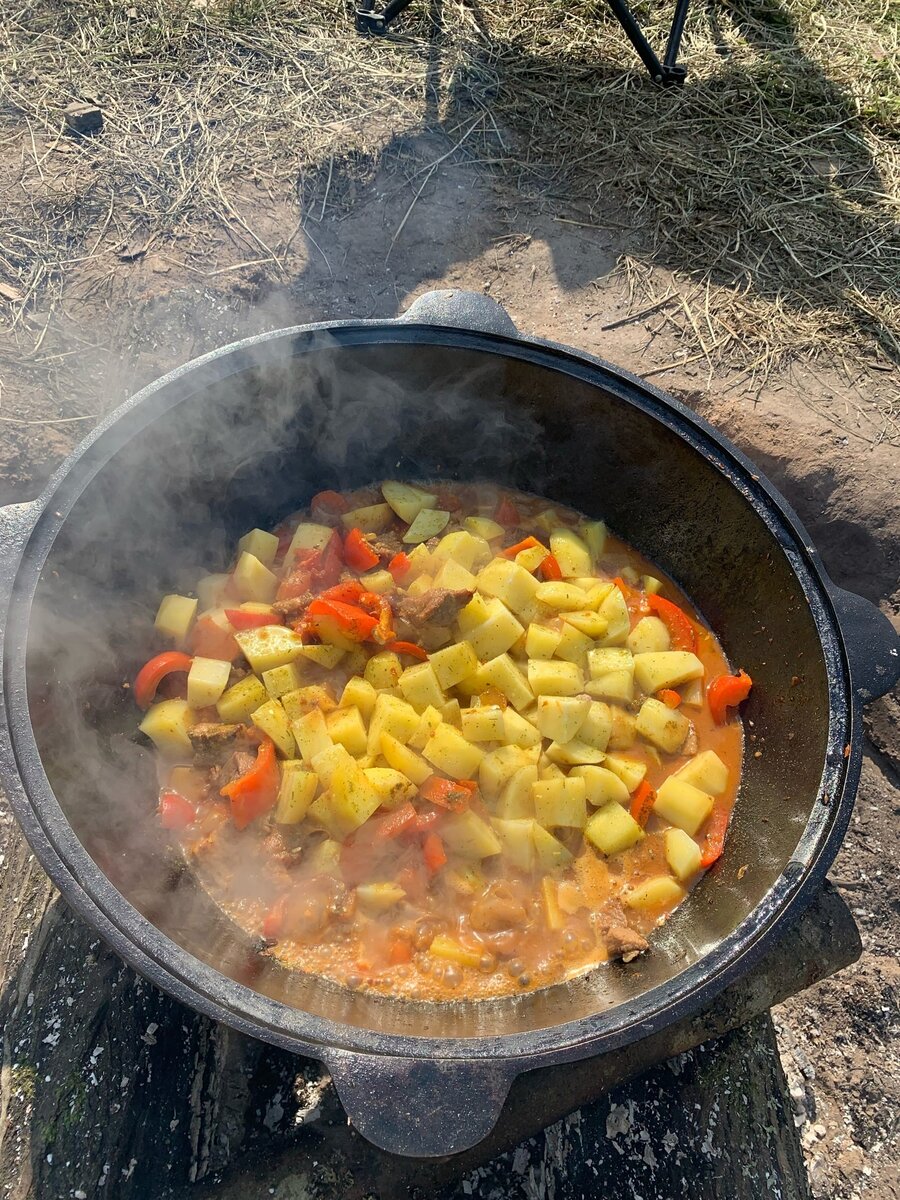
{"points": [[401, 820], [409, 648], [635, 600], [525, 544], [448, 793], [358, 554], [399, 567], [351, 591], [506, 513], [256, 791], [714, 840], [642, 803], [550, 568], [327, 506], [350, 620], [175, 811], [669, 697], [327, 569], [152, 674], [240, 618], [433, 852], [209, 640], [273, 921], [681, 630], [728, 691]]}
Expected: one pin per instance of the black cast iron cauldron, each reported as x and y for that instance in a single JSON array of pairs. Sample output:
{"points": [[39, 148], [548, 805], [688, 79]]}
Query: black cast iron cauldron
{"points": [[246, 434]]}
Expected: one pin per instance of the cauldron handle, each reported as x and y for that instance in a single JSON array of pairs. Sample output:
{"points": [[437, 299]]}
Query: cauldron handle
{"points": [[871, 642], [420, 1107], [460, 310]]}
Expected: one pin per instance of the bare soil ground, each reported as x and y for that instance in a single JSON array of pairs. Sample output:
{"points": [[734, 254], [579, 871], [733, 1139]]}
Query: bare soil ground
{"points": [[359, 232]]}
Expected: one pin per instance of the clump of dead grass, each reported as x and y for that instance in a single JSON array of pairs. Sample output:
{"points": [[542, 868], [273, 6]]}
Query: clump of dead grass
{"points": [[767, 187]]}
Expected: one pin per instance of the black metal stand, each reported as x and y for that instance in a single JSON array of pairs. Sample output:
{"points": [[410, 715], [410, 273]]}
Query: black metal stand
{"points": [[668, 72]]}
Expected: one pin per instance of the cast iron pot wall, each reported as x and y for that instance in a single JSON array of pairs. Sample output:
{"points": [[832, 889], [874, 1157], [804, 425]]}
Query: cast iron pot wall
{"points": [[246, 435]]}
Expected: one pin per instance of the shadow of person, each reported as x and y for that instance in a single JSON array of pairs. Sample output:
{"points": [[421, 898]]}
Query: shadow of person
{"points": [[757, 176]]}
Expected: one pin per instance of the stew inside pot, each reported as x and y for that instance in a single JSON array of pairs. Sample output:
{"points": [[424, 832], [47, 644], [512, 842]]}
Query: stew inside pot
{"points": [[444, 741]]}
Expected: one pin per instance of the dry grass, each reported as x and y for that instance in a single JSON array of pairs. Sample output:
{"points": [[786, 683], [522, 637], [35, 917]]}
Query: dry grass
{"points": [[768, 186]]}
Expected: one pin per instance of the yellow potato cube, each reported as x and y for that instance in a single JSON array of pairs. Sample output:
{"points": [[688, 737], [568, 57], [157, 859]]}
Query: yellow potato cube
{"points": [[325, 858], [618, 620], [624, 729], [655, 895], [560, 717], [550, 900], [682, 853], [449, 751], [260, 544], [614, 685], [564, 597], [253, 580], [391, 785], [428, 723], [296, 792], [612, 829], [573, 645], [375, 898], [346, 727], [499, 767], [402, 759], [311, 734], [302, 700], [407, 501], [516, 799], [665, 669], [550, 853], [326, 762], [496, 633], [517, 839], [611, 658], [484, 527], [531, 558], [351, 800], [513, 585], [630, 770], [453, 576], [383, 670], [210, 590], [682, 804], [359, 693], [274, 723], [394, 716], [555, 678], [649, 635], [241, 699], [452, 713], [166, 725], [307, 536], [560, 802], [663, 726], [517, 731], [467, 835], [602, 786], [206, 681], [380, 582], [323, 656], [574, 753], [588, 622], [428, 524], [373, 518], [503, 673], [269, 646], [448, 948], [548, 769], [420, 687], [474, 614], [594, 534], [705, 771], [175, 617], [483, 724], [541, 641], [461, 547], [420, 585], [596, 729], [286, 678], [453, 664], [571, 553]]}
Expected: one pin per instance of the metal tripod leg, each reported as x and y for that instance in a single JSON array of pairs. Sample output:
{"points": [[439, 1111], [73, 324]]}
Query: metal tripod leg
{"points": [[667, 72]]}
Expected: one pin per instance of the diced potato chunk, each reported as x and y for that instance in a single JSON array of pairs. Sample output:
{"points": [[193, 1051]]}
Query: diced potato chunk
{"points": [[307, 536], [655, 895], [380, 582], [452, 713], [564, 597], [555, 678], [516, 799], [617, 686], [345, 726], [407, 501], [484, 527], [327, 761], [241, 699], [596, 728], [373, 518], [648, 636], [391, 785], [541, 641], [610, 658], [428, 524], [462, 548], [394, 716], [325, 858], [253, 580], [560, 717], [467, 835], [571, 553], [663, 726], [560, 802], [705, 771], [323, 656], [359, 693], [573, 645], [532, 557], [448, 948], [260, 544], [311, 734], [665, 669], [454, 576], [574, 752], [499, 767], [624, 729], [269, 646], [274, 723], [210, 590], [517, 731], [419, 685], [206, 681], [550, 900], [513, 585], [594, 534], [402, 759], [630, 770], [517, 839], [618, 619], [483, 724], [351, 800], [474, 613], [378, 897], [383, 670], [302, 700], [503, 673], [296, 792], [588, 622], [175, 617], [682, 853], [449, 751], [682, 804], [496, 633], [279, 680], [166, 725], [601, 786], [453, 664], [428, 723], [551, 854], [613, 829]]}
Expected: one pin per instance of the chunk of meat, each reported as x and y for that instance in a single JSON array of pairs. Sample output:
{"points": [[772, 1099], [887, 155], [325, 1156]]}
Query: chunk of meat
{"points": [[212, 739], [386, 544], [295, 607], [437, 606], [625, 943]]}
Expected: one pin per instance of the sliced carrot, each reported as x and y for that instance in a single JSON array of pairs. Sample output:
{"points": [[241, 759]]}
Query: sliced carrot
{"points": [[728, 691], [525, 544], [433, 853], [669, 697], [399, 821]]}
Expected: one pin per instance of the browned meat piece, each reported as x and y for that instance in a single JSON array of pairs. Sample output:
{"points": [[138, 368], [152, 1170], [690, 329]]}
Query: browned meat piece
{"points": [[295, 607], [438, 606], [386, 544], [226, 770], [625, 943], [216, 735], [285, 855]]}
